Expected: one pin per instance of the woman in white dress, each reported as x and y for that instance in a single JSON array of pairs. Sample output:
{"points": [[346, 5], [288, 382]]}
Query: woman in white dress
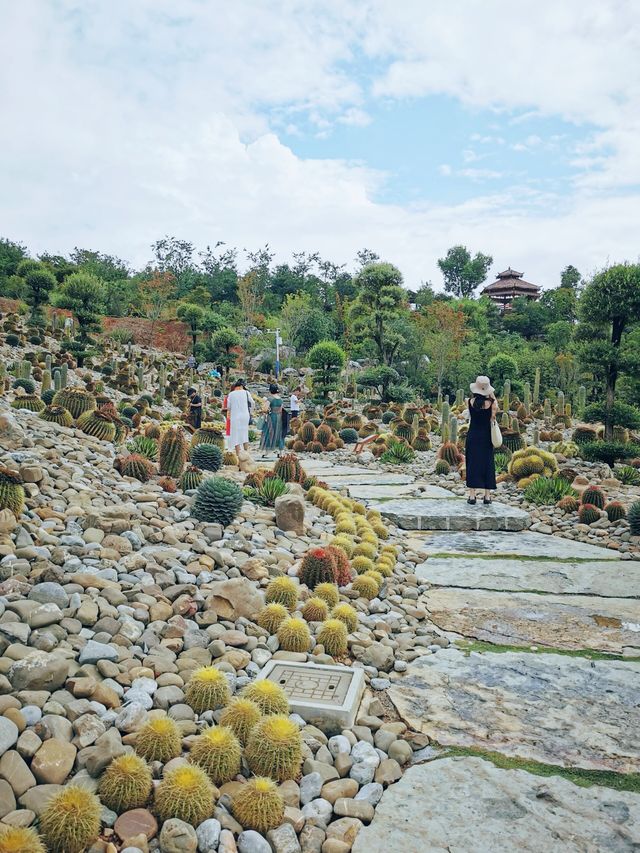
{"points": [[239, 408]]}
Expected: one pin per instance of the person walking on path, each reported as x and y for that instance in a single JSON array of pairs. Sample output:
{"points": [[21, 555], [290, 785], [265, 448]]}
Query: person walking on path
{"points": [[239, 410], [480, 465], [273, 429], [194, 415]]}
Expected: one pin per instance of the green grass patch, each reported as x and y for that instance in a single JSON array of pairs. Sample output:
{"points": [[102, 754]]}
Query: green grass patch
{"points": [[583, 778], [469, 646]]}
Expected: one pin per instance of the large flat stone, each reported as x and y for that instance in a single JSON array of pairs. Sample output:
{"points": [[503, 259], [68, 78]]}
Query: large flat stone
{"points": [[467, 805], [428, 514], [523, 618], [608, 578], [387, 492], [553, 709], [383, 478], [526, 544]]}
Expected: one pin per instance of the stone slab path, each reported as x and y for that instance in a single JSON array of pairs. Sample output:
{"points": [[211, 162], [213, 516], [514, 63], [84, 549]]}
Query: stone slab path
{"points": [[554, 709], [500, 544], [466, 805], [521, 619], [589, 577], [376, 492], [428, 514]]}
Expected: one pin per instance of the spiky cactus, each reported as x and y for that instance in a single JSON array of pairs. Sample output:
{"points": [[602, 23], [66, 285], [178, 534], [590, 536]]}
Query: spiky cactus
{"points": [[190, 479], [28, 402], [258, 805], [275, 748], [289, 469], [293, 635], [126, 784], [74, 400], [365, 586], [208, 457], [307, 432], [271, 616], [267, 695], [97, 424], [207, 689], [71, 820], [19, 839], [329, 592], [159, 739], [240, 716], [145, 446], [217, 750], [588, 513], [347, 614], [172, 452], [450, 453], [333, 636], [11, 491], [217, 500], [185, 793], [342, 567], [135, 466], [315, 609], [633, 516], [282, 590], [594, 496], [615, 511], [318, 566], [56, 415], [442, 467]]}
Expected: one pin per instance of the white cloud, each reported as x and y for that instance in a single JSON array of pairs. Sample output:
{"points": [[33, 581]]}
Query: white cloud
{"points": [[124, 122]]}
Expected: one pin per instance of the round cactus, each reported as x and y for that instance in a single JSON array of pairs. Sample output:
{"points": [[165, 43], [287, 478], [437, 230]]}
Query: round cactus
{"points": [[217, 750], [347, 614], [56, 415], [344, 543], [208, 457], [97, 424], [19, 839], [288, 469], [209, 433], [362, 564], [126, 784], [307, 432], [172, 452], [11, 491], [365, 586], [275, 748], [136, 466], [190, 479], [315, 609], [366, 549], [588, 513], [75, 400], [442, 467], [594, 496], [240, 716], [28, 402], [341, 565], [71, 820], [333, 636], [217, 500], [615, 511], [185, 793], [329, 592], [450, 453], [568, 504], [268, 696], [293, 635], [317, 566], [159, 740], [271, 616], [207, 689], [258, 805], [283, 590], [633, 516]]}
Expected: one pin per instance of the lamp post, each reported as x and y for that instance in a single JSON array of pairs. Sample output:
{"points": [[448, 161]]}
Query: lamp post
{"points": [[278, 342]]}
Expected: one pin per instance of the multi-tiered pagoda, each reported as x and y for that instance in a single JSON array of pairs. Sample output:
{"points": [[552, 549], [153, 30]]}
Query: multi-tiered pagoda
{"points": [[508, 286]]}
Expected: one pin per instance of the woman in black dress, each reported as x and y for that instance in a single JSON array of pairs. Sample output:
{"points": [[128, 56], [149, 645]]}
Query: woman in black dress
{"points": [[481, 470]]}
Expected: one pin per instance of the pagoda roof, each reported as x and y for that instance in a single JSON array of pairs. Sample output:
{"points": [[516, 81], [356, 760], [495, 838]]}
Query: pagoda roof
{"points": [[509, 273], [511, 285]]}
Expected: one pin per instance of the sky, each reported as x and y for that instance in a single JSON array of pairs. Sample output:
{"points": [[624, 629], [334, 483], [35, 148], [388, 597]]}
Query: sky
{"points": [[403, 126]]}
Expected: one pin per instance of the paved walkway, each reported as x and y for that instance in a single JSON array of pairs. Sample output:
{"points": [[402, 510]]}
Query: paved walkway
{"points": [[544, 667]]}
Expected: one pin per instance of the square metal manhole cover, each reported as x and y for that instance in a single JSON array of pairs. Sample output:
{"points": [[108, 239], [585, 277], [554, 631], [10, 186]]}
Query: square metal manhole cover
{"points": [[326, 696]]}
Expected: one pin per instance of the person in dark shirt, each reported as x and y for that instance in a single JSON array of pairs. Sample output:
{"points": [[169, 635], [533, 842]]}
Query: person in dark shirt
{"points": [[195, 408]]}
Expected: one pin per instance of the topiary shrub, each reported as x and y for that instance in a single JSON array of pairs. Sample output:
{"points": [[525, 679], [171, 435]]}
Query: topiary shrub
{"points": [[258, 805], [588, 513], [207, 689], [268, 696], [293, 635], [159, 739], [608, 451], [185, 793], [240, 716], [19, 839], [208, 457], [71, 820], [593, 495], [126, 784], [217, 750], [217, 500], [318, 566], [283, 590], [275, 748], [333, 636], [75, 400], [615, 511], [11, 491], [172, 452]]}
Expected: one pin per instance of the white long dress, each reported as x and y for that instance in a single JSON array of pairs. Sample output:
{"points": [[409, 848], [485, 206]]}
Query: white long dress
{"points": [[238, 403]]}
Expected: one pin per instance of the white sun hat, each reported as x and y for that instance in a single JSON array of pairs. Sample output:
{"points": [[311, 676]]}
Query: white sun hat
{"points": [[482, 385]]}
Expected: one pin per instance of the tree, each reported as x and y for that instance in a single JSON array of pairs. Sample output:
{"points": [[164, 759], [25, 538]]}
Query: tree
{"points": [[10, 256], [559, 335], [83, 294], [194, 316], [249, 296], [223, 343], [443, 328], [154, 296], [39, 284], [502, 367], [327, 359], [462, 273], [103, 266], [380, 301], [609, 306], [176, 256], [570, 277], [379, 378], [527, 318], [220, 273]]}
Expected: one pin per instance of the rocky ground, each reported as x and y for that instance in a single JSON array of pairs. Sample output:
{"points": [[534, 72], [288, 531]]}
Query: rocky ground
{"points": [[502, 664]]}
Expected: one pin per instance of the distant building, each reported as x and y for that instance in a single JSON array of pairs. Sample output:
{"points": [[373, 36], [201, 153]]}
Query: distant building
{"points": [[508, 286]]}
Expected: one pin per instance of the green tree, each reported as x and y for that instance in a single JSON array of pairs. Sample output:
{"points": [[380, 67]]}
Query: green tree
{"points": [[527, 318], [39, 284], [559, 335], [609, 306], [570, 277], [462, 273], [84, 295], [223, 344], [102, 266], [327, 359], [380, 378], [10, 256], [380, 301], [194, 316], [501, 367]]}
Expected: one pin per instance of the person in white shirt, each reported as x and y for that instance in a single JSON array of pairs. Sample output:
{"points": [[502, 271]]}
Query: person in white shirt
{"points": [[239, 409], [294, 406]]}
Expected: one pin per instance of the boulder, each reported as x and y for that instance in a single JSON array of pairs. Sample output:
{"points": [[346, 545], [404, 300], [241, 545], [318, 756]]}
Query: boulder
{"points": [[290, 513], [234, 598]]}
